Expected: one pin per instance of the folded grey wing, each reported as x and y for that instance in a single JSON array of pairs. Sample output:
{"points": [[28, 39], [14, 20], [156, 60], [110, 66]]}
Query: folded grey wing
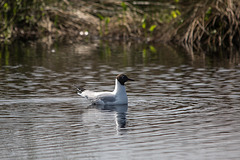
{"points": [[107, 97], [94, 97]]}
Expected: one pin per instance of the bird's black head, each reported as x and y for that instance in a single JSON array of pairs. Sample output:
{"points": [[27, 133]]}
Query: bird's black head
{"points": [[122, 78]]}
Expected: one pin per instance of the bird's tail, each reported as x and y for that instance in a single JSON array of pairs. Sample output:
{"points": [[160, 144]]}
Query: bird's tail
{"points": [[79, 89]]}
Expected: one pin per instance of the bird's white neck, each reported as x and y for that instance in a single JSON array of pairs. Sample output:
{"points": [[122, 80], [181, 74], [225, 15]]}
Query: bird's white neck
{"points": [[119, 88]]}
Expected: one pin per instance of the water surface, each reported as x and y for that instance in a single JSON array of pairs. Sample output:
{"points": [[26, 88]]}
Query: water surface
{"points": [[180, 106]]}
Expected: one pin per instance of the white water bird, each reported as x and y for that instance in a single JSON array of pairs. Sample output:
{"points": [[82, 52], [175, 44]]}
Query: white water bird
{"points": [[116, 97]]}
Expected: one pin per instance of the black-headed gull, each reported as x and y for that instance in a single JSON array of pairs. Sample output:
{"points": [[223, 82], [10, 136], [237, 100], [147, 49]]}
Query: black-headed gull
{"points": [[116, 97]]}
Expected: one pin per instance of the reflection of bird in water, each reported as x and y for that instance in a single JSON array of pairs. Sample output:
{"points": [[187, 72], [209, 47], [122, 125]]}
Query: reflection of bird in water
{"points": [[120, 115], [121, 120], [118, 96]]}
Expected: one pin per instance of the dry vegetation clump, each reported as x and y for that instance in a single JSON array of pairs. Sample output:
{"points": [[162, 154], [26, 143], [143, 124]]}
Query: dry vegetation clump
{"points": [[211, 23], [67, 22]]}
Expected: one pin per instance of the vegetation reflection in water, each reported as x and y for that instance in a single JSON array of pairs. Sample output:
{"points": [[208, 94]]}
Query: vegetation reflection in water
{"points": [[114, 53]]}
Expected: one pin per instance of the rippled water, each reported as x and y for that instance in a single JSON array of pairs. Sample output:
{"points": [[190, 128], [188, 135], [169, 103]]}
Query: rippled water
{"points": [[180, 106]]}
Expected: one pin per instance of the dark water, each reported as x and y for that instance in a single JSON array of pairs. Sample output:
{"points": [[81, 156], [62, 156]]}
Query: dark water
{"points": [[180, 106]]}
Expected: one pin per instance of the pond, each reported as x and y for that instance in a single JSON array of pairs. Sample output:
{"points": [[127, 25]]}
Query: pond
{"points": [[181, 106]]}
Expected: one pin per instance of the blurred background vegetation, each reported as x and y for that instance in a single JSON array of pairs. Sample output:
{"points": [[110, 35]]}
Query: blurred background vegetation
{"points": [[185, 22]]}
